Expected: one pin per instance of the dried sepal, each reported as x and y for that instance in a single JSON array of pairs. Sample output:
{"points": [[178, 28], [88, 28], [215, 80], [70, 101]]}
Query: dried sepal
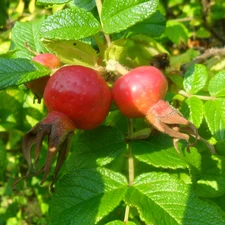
{"points": [[59, 129], [170, 121]]}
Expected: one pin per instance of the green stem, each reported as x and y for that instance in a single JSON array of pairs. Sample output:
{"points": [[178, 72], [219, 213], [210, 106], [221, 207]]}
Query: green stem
{"points": [[182, 92], [130, 167], [99, 8]]}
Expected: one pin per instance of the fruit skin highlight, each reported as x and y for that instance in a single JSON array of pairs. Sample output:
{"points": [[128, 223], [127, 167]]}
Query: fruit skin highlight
{"points": [[136, 92], [81, 94], [76, 97], [37, 86], [140, 93]]}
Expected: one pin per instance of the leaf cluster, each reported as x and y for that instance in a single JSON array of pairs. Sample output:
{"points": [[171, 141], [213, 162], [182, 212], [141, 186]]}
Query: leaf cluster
{"points": [[108, 179]]}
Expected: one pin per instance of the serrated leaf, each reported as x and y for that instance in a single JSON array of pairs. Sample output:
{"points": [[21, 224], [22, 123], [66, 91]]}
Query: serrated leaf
{"points": [[215, 118], [51, 2], [217, 84], [84, 196], [212, 182], [18, 71], [153, 26], [176, 32], [195, 78], [119, 15], [85, 4], [30, 35], [73, 52], [70, 24], [158, 151], [97, 147], [118, 222], [163, 199], [193, 110]]}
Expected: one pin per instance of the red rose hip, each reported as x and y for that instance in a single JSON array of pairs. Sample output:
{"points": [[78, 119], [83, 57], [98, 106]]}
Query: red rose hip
{"points": [[138, 90], [76, 98], [81, 94], [37, 86], [140, 93]]}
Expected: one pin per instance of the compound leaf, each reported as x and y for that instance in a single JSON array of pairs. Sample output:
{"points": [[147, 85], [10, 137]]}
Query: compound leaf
{"points": [[163, 199], [84, 196]]}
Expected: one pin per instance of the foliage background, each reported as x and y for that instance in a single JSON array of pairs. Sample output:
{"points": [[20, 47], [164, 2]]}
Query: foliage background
{"points": [[192, 28]]}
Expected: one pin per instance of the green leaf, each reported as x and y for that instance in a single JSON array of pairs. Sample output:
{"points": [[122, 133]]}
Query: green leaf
{"points": [[18, 71], [30, 35], [153, 26], [51, 2], [118, 222], [84, 196], [85, 4], [177, 61], [3, 160], [18, 114], [217, 84], [70, 24], [195, 78], [163, 199], [215, 118], [193, 110], [158, 151], [119, 15], [134, 51], [176, 32], [3, 12], [97, 147], [212, 182], [73, 52]]}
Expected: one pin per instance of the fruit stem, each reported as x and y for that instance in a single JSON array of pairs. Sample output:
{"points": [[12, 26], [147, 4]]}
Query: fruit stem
{"points": [[115, 66], [185, 94], [130, 167], [30, 50], [99, 8]]}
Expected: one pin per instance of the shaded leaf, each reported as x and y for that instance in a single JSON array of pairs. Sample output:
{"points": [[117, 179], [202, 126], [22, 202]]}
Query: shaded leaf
{"points": [[85, 4], [158, 151], [153, 26], [97, 147], [84, 196], [134, 51], [212, 182], [73, 52], [3, 160], [176, 32]]}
